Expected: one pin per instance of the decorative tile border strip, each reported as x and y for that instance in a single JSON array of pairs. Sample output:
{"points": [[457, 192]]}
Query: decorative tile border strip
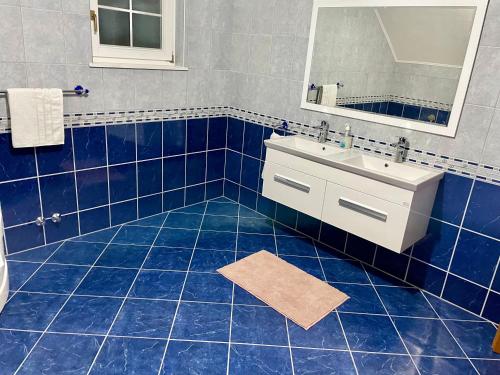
{"points": [[394, 98], [367, 145]]}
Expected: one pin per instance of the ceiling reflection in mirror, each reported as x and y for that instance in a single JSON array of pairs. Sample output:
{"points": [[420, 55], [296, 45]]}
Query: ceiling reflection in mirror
{"points": [[394, 61]]}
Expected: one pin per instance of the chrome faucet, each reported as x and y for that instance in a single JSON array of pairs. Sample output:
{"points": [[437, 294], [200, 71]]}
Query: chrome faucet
{"points": [[323, 131], [401, 149]]}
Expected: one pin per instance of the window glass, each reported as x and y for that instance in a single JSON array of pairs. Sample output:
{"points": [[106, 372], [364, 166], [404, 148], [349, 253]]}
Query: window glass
{"points": [[146, 31], [114, 27], [150, 6], [115, 3]]}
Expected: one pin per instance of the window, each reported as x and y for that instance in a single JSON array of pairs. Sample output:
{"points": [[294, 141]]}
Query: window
{"points": [[133, 32]]}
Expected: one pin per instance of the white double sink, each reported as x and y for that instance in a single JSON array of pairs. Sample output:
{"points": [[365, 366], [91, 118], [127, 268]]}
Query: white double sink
{"points": [[382, 201], [397, 174]]}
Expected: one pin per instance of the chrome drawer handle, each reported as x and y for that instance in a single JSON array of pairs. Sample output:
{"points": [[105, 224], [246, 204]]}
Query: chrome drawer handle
{"points": [[292, 183], [362, 209]]}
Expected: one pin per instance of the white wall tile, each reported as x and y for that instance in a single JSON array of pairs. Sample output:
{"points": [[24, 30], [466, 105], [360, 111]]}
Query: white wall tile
{"points": [[77, 39], [43, 36], [174, 90], [76, 6], [148, 89], [43, 4], [11, 43], [484, 85], [491, 154], [120, 90]]}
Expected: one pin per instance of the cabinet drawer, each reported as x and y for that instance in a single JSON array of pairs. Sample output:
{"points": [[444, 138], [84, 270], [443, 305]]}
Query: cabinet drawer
{"points": [[294, 189], [366, 216]]}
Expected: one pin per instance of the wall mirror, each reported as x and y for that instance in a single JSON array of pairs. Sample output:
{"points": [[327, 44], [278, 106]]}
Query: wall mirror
{"points": [[403, 63]]}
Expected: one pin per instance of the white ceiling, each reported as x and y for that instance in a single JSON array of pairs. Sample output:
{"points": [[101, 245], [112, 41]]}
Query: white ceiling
{"points": [[427, 35]]}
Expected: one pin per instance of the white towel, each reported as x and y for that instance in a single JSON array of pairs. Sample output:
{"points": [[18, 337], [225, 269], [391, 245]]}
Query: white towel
{"points": [[329, 95], [36, 117]]}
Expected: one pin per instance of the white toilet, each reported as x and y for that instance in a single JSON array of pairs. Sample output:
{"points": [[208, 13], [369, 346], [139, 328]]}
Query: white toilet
{"points": [[4, 273]]}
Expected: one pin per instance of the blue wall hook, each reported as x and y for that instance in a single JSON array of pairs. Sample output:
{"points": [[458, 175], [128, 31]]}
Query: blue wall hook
{"points": [[81, 91]]}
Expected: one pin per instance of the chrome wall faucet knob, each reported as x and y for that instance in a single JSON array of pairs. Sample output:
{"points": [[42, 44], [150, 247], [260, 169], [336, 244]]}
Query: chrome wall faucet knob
{"points": [[39, 221], [401, 149], [323, 131], [56, 217]]}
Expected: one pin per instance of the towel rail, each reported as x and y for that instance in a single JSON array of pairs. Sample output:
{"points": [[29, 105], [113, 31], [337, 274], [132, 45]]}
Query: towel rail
{"points": [[78, 90]]}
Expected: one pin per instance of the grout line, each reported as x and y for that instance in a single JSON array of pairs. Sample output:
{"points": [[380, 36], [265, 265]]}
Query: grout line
{"points": [[451, 334], [392, 321], [76, 182], [179, 300], [232, 295], [490, 286], [286, 319], [107, 172], [124, 299], [457, 238], [338, 316], [34, 272], [39, 196], [62, 307]]}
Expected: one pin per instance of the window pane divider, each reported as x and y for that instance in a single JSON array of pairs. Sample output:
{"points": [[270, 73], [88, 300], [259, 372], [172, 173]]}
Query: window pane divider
{"points": [[130, 11]]}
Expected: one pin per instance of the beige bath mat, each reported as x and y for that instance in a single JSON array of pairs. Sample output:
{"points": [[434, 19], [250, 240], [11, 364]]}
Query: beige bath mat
{"points": [[302, 298]]}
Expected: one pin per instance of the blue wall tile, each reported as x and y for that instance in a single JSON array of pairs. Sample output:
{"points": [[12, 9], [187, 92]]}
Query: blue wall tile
{"points": [[308, 225], [149, 177], [395, 109], [121, 143], [465, 294], [68, 227], [195, 194], [333, 236], [174, 137], [150, 205], [248, 198], [252, 141], [483, 209], [492, 307], [195, 168], [173, 199], [235, 134], [197, 135], [426, 112], [215, 189], [425, 276], [20, 201], [266, 206], [174, 172], [55, 159], [411, 112], [215, 164], [250, 172], [122, 182], [360, 248], [123, 212], [437, 245], [92, 186], [58, 194], [217, 128], [233, 166], [90, 147], [391, 262], [15, 163], [231, 190], [23, 237], [475, 257], [451, 198], [149, 140], [286, 215], [94, 219]]}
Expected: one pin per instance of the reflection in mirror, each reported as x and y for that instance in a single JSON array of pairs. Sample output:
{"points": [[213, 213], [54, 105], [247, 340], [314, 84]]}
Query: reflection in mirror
{"points": [[404, 62]]}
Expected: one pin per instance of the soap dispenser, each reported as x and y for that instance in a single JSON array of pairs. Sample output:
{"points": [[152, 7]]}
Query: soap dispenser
{"points": [[347, 142]]}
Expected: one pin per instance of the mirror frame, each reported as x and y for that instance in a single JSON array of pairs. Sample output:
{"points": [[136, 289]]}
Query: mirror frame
{"points": [[463, 83]]}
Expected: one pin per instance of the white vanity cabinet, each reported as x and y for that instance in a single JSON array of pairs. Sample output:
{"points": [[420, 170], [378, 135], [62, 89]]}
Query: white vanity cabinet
{"points": [[388, 215]]}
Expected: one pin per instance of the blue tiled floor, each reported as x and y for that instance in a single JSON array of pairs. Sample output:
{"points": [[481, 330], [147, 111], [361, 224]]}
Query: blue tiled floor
{"points": [[145, 298]]}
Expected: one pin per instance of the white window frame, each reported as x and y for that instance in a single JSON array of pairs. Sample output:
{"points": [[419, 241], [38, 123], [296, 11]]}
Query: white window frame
{"points": [[448, 131], [104, 55]]}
